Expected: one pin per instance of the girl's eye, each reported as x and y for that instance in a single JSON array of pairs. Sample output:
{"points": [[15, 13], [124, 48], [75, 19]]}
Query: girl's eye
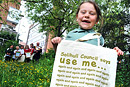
{"points": [[83, 12], [92, 13]]}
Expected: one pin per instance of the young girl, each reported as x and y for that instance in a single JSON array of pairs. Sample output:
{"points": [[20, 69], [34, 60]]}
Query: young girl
{"points": [[27, 50], [88, 14]]}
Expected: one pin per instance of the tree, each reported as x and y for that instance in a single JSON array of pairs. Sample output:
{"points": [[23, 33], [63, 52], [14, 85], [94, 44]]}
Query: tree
{"points": [[4, 8], [115, 18], [53, 15], [59, 15]]}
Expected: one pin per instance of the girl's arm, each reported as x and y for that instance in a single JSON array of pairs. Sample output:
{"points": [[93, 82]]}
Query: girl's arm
{"points": [[55, 41], [119, 52]]}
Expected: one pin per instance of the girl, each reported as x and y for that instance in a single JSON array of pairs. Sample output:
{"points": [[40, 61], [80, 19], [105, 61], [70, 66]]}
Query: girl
{"points": [[27, 51], [87, 15]]}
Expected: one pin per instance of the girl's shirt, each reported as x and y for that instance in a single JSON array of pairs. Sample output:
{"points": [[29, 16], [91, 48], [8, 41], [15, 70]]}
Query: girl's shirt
{"points": [[16, 51], [27, 50], [78, 33], [22, 51]]}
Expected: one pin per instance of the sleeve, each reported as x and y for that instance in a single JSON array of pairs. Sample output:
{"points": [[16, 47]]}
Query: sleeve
{"points": [[69, 35], [14, 51], [6, 51]]}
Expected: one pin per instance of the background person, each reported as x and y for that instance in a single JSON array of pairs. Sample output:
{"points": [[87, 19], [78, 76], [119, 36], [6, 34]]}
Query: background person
{"points": [[22, 54], [38, 50], [8, 53], [15, 51], [32, 47], [27, 52]]}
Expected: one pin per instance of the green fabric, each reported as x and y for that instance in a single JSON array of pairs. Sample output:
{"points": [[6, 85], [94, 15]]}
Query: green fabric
{"points": [[78, 33]]}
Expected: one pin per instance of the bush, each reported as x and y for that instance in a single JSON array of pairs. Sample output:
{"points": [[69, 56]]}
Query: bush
{"points": [[5, 46], [50, 54], [123, 73]]}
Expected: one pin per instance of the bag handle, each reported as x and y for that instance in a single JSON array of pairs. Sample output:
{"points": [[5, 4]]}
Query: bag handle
{"points": [[90, 36]]}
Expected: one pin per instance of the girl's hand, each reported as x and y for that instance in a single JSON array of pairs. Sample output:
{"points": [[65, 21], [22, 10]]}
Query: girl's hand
{"points": [[56, 40], [119, 52]]}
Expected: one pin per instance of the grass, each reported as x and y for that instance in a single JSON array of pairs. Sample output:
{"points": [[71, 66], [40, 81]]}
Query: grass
{"points": [[14, 74]]}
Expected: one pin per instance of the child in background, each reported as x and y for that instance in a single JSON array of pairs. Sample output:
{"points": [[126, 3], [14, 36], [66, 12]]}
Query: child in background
{"points": [[88, 14], [22, 49], [38, 50], [27, 53]]}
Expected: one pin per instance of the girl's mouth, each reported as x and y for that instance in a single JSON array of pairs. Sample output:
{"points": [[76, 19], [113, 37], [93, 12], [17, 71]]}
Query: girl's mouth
{"points": [[86, 21]]}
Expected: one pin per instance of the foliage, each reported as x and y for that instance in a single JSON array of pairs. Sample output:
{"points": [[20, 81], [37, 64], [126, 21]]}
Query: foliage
{"points": [[123, 74], [54, 15], [59, 15], [6, 39], [50, 54], [6, 45], [4, 5], [8, 36], [14, 74], [115, 18], [37, 74]]}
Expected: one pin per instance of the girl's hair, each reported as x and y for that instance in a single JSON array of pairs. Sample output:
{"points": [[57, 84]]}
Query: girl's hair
{"points": [[99, 15], [22, 46], [26, 47], [31, 44]]}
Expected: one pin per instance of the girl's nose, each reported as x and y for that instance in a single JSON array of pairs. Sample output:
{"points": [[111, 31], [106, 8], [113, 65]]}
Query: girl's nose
{"points": [[86, 15]]}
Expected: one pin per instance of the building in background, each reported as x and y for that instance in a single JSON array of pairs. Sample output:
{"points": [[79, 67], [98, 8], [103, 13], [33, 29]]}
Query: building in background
{"points": [[35, 36], [10, 17]]}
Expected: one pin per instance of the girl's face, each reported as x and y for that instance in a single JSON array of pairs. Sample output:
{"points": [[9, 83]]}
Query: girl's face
{"points": [[87, 16]]}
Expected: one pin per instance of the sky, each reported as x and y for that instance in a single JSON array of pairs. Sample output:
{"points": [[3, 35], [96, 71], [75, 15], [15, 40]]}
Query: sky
{"points": [[23, 25]]}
